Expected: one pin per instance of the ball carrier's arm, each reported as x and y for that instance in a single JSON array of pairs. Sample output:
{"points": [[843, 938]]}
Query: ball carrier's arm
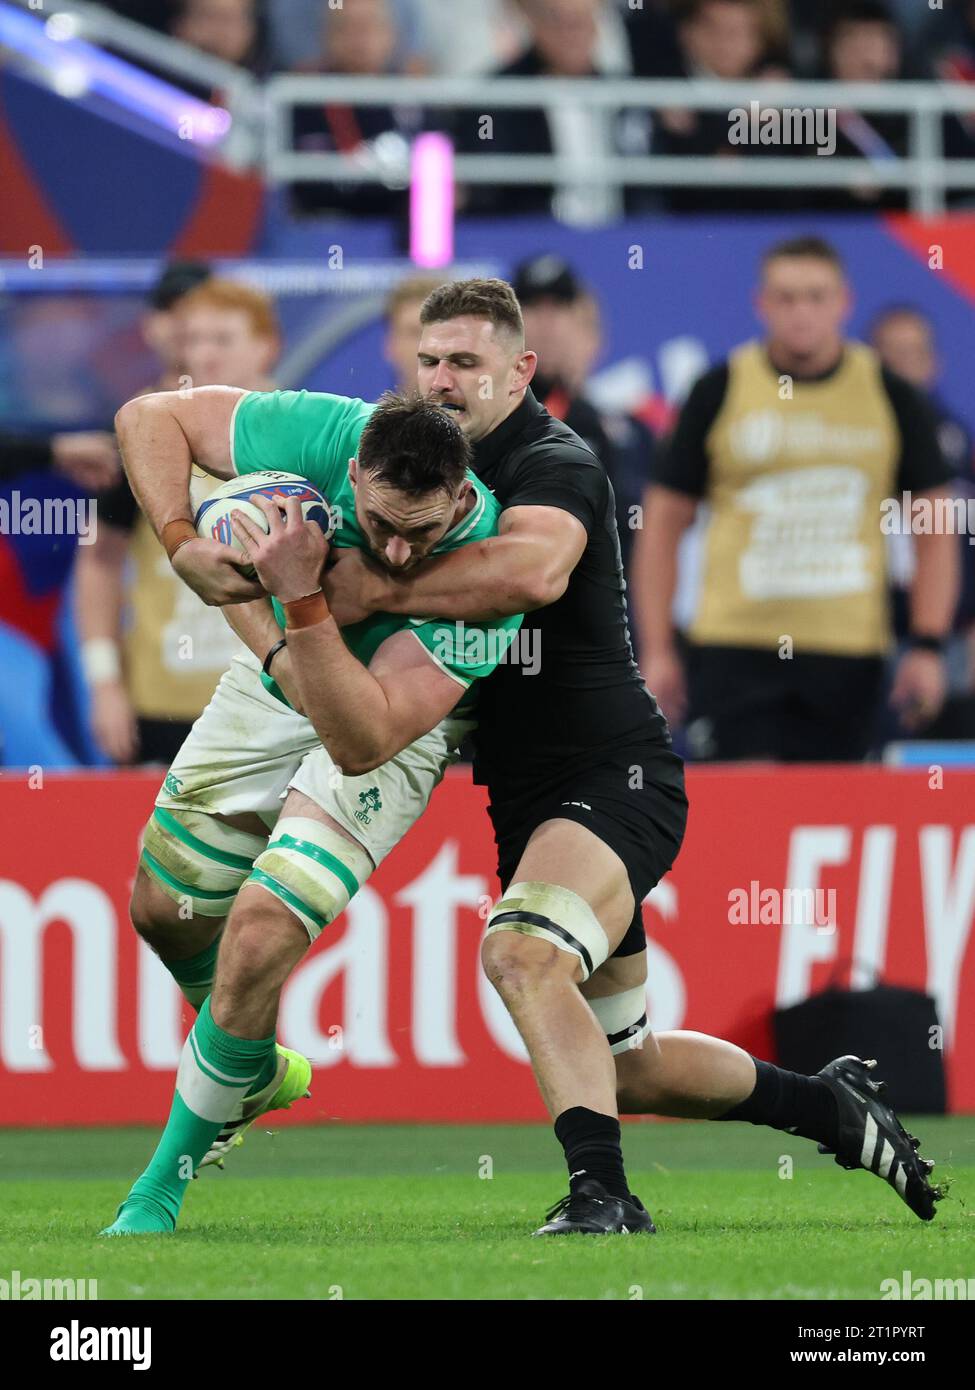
{"points": [[160, 437], [363, 715]]}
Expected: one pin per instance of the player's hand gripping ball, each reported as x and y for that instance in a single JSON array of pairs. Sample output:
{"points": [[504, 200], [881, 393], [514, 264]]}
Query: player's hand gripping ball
{"points": [[214, 515]]}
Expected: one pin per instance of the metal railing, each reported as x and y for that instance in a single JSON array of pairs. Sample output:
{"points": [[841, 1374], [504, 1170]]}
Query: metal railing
{"points": [[260, 133], [925, 172]]}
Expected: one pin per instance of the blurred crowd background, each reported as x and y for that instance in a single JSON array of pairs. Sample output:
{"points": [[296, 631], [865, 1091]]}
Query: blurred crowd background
{"points": [[755, 41], [107, 658]]}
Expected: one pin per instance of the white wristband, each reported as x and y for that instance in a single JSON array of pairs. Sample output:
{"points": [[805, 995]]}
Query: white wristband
{"points": [[100, 660]]}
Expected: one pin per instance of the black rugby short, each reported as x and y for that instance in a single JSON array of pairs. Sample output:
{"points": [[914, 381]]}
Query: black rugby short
{"points": [[634, 801], [747, 703]]}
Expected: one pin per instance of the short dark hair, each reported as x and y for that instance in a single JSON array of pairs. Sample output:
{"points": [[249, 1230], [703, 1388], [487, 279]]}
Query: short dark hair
{"points": [[816, 248], [414, 446], [856, 12], [493, 300], [177, 279]]}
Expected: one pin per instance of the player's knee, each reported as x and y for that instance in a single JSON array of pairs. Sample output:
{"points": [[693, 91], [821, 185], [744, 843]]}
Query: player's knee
{"points": [[153, 913], [538, 930], [519, 965], [259, 946]]}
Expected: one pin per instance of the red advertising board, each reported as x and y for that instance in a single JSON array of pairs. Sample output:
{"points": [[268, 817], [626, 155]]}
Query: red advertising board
{"points": [[391, 1004]]}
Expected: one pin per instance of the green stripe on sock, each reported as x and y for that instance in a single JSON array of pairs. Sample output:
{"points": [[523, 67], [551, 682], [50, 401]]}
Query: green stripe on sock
{"points": [[222, 856], [188, 1136], [235, 1056], [286, 895], [321, 856], [186, 889], [207, 1069]]}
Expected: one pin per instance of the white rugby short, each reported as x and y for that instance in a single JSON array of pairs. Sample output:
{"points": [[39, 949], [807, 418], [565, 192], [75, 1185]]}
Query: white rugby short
{"points": [[247, 748]]}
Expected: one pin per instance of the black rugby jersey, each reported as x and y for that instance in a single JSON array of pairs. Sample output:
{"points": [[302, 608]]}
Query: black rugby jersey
{"points": [[587, 697]]}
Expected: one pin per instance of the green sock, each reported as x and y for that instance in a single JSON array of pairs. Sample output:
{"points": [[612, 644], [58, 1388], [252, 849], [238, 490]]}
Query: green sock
{"points": [[216, 1071], [195, 975]]}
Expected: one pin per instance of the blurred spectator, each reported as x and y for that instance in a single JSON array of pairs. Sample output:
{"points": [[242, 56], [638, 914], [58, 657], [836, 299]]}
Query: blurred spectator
{"points": [[358, 39], [794, 443], [731, 41], [631, 442], [225, 29], [38, 697], [162, 329], [652, 33], [947, 47], [904, 338], [477, 38], [809, 19], [948, 40], [230, 30], [150, 678], [295, 31], [549, 292], [565, 42], [861, 43], [403, 326], [88, 457], [562, 324]]}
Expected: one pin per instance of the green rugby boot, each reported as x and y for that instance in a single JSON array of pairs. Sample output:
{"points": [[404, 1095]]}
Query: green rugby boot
{"points": [[290, 1082]]}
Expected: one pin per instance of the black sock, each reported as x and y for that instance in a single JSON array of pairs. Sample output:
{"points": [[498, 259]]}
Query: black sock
{"points": [[592, 1148], [803, 1105]]}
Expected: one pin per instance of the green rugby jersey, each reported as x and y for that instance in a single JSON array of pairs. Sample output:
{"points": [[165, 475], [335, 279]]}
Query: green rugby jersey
{"points": [[315, 435]]}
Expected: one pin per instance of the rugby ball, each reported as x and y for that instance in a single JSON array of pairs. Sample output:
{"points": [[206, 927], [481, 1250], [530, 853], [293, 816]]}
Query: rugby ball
{"points": [[214, 514]]}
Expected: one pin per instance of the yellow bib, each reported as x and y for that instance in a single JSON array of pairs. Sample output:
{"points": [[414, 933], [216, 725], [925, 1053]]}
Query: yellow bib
{"points": [[176, 647], [793, 546]]}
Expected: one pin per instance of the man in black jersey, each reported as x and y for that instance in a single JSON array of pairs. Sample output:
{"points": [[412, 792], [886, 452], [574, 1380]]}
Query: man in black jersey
{"points": [[586, 795]]}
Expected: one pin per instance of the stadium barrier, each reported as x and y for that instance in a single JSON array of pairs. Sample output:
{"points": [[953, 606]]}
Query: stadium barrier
{"points": [[791, 879]]}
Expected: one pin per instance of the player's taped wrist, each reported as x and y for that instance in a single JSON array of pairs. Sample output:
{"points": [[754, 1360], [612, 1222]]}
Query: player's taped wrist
{"points": [[177, 533], [306, 611]]}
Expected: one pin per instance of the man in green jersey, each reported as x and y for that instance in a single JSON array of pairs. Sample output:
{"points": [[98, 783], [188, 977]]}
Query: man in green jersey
{"points": [[352, 732]]}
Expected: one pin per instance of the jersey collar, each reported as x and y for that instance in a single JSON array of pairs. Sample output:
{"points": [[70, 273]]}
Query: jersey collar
{"points": [[462, 528], [825, 375], [489, 451]]}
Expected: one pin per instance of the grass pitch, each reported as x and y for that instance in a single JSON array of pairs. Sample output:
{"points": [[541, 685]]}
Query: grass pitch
{"points": [[393, 1212]]}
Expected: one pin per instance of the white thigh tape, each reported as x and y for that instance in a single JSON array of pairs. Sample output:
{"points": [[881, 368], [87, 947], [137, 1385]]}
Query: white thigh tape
{"points": [[556, 914], [197, 858], [312, 869], [623, 1017]]}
